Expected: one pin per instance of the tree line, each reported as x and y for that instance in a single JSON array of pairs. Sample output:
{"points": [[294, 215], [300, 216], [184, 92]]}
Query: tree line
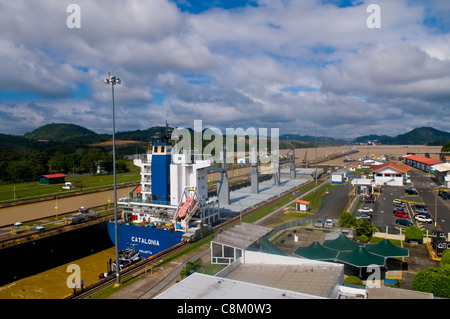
{"points": [[26, 165]]}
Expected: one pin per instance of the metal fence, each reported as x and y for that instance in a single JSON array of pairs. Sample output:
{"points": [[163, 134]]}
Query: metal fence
{"points": [[302, 222]]}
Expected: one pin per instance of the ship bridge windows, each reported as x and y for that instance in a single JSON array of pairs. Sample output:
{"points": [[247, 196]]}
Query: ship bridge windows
{"points": [[162, 149]]}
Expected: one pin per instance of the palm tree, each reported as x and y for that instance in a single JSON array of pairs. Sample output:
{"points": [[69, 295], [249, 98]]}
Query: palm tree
{"points": [[191, 267]]}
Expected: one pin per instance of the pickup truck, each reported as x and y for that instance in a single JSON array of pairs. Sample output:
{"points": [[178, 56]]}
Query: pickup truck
{"points": [[319, 223], [329, 223]]}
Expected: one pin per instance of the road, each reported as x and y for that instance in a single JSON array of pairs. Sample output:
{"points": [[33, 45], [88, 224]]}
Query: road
{"points": [[427, 192], [334, 202]]}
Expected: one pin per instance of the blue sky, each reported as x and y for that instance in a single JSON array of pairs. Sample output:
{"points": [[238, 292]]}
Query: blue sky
{"points": [[287, 64], [199, 6]]}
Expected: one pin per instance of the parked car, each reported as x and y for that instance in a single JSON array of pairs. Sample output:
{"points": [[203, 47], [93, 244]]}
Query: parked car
{"points": [[328, 223], [418, 208], [396, 209], [411, 191], [319, 223], [365, 210], [401, 214], [446, 195], [397, 204], [403, 222], [423, 219], [422, 213], [364, 217], [442, 193], [369, 200], [368, 214], [399, 201]]}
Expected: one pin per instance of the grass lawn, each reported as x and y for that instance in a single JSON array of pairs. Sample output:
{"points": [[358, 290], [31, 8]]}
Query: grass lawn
{"points": [[267, 210], [315, 198]]}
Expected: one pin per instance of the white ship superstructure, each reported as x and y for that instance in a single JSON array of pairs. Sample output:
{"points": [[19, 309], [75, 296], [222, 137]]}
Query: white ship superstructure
{"points": [[174, 197]]}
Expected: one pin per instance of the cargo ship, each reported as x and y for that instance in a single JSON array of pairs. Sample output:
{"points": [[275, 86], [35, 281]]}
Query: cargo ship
{"points": [[169, 206]]}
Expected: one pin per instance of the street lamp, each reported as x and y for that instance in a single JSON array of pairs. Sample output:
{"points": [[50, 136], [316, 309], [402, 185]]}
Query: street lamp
{"points": [[315, 152], [114, 81]]}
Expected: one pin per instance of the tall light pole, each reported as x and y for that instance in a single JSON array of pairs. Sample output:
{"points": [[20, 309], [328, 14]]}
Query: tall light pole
{"points": [[315, 152], [114, 81]]}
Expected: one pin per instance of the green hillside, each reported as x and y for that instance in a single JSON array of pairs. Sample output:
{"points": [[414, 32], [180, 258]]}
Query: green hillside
{"points": [[417, 136], [62, 132]]}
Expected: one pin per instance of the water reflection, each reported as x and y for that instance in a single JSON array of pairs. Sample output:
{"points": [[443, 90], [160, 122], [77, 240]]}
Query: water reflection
{"points": [[51, 284]]}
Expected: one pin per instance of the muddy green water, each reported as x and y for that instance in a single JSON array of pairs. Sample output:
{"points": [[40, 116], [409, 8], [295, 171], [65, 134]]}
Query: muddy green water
{"points": [[52, 284]]}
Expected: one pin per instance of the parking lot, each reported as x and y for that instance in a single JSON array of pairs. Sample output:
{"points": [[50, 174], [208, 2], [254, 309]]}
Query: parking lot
{"points": [[383, 216]]}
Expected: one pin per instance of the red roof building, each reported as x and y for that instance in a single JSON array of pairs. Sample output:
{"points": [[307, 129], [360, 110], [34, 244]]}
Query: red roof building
{"points": [[52, 179], [420, 162], [302, 205], [390, 173]]}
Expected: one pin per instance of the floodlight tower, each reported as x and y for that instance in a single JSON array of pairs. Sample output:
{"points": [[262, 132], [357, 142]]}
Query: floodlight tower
{"points": [[114, 81]]}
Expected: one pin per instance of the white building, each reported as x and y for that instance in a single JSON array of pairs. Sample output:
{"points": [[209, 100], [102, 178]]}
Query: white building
{"points": [[258, 275], [372, 161], [243, 160], [390, 174], [442, 171], [363, 186], [339, 177]]}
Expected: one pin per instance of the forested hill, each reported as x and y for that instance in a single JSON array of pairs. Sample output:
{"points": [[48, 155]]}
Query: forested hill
{"points": [[62, 132], [417, 136]]}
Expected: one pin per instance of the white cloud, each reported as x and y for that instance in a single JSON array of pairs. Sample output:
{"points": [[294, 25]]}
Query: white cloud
{"points": [[286, 64]]}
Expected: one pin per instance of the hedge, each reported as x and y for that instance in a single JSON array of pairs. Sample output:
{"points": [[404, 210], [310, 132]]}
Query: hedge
{"points": [[434, 280], [413, 233]]}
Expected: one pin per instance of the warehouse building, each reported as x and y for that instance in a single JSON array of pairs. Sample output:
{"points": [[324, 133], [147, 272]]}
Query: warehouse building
{"points": [[420, 162]]}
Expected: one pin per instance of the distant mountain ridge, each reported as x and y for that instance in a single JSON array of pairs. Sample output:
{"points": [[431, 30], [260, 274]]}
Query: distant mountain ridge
{"points": [[311, 140], [417, 136], [76, 134]]}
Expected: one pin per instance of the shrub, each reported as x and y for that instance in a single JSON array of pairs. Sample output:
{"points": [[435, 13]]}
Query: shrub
{"points": [[347, 220], [434, 280], [445, 259], [363, 238], [353, 280], [413, 233], [364, 228]]}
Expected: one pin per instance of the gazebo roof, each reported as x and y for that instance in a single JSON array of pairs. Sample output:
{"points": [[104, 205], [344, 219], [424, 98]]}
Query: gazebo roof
{"points": [[342, 243], [344, 250], [316, 251], [387, 249], [360, 257]]}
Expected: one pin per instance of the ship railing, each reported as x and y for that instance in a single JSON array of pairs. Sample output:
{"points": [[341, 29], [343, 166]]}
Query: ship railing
{"points": [[142, 157], [142, 201]]}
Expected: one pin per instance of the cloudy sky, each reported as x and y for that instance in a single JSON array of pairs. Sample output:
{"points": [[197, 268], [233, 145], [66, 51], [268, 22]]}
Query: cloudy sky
{"points": [[286, 64]]}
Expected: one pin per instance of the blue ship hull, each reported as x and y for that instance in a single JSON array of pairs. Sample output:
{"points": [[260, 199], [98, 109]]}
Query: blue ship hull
{"points": [[146, 240]]}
